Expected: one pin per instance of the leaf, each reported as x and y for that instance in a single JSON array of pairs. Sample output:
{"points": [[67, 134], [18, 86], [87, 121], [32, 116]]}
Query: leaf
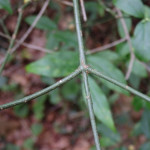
{"points": [[141, 40], [137, 103], [3, 81], [132, 7], [44, 23], [138, 69], [10, 146], [107, 68], [58, 64], [21, 110], [70, 90], [54, 97], [65, 39], [39, 106], [123, 50], [128, 22], [52, 43], [145, 123], [36, 129], [145, 146], [110, 55], [100, 105], [5, 4], [109, 137], [28, 144]]}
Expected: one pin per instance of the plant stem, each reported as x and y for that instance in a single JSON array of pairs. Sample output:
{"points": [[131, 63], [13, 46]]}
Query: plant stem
{"points": [[84, 74], [42, 92], [83, 10], [31, 27], [12, 40], [121, 85], [102, 48], [30, 46], [4, 26], [127, 36]]}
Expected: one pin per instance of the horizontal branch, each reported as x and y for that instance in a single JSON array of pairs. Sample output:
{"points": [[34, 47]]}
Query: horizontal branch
{"points": [[30, 46], [42, 92], [121, 85], [102, 48]]}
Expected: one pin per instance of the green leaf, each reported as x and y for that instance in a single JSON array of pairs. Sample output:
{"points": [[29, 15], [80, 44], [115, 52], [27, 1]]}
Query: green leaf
{"points": [[70, 90], [44, 23], [58, 64], [132, 7], [64, 39], [69, 39], [54, 97], [128, 22], [145, 123], [3, 81], [147, 12], [21, 110], [109, 137], [11, 147], [39, 106], [52, 43], [123, 50], [5, 4], [107, 68], [138, 69], [100, 105], [106, 142], [110, 55], [141, 40], [137, 103], [145, 146], [36, 129], [28, 144]]}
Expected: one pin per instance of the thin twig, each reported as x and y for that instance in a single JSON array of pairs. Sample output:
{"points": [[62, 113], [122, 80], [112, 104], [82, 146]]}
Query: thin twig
{"points": [[31, 27], [42, 92], [83, 10], [121, 85], [84, 74], [31, 46], [132, 56], [12, 40], [66, 3], [102, 48], [4, 27], [146, 66]]}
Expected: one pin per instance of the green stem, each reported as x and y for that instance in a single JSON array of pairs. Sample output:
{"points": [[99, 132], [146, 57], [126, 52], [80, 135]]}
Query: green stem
{"points": [[85, 76], [42, 92], [121, 85], [12, 41], [4, 27]]}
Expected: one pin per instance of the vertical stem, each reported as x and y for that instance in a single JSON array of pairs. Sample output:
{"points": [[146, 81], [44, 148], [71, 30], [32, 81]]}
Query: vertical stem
{"points": [[85, 77], [12, 40], [132, 56], [4, 26]]}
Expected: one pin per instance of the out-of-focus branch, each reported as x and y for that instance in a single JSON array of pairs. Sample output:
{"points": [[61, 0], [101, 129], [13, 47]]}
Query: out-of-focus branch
{"points": [[132, 56], [31, 46], [12, 41], [31, 27], [83, 10], [66, 2], [102, 48]]}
